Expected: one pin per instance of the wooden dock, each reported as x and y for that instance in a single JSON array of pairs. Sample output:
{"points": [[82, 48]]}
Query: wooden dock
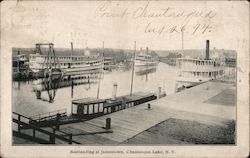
{"points": [[199, 103]]}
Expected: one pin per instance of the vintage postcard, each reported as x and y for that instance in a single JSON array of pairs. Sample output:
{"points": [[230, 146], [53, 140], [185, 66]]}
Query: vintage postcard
{"points": [[124, 78]]}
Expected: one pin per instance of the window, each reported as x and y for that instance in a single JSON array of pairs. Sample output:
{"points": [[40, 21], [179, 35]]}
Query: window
{"points": [[85, 109], [91, 109], [100, 107], [96, 108], [74, 109]]}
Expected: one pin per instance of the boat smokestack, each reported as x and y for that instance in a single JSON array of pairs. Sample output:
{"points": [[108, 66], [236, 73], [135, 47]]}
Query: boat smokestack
{"points": [[114, 91], [207, 50], [147, 50], [71, 43], [159, 92]]}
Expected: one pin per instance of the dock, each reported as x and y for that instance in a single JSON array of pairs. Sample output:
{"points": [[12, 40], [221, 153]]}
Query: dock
{"points": [[89, 108], [199, 104], [204, 107]]}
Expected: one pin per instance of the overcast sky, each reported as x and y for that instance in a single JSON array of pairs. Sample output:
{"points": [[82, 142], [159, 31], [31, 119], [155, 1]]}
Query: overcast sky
{"points": [[119, 24]]}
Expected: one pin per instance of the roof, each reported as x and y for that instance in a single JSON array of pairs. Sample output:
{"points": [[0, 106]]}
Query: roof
{"points": [[128, 98], [87, 101], [197, 59], [196, 52], [133, 97]]}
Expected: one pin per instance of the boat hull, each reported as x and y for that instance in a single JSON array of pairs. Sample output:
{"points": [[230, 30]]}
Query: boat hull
{"points": [[145, 63], [81, 69]]}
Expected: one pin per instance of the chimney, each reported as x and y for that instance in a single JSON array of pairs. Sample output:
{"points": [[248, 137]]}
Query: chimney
{"points": [[71, 43], [147, 50], [207, 50], [114, 91]]}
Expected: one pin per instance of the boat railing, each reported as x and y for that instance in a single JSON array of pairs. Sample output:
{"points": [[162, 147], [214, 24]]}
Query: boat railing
{"points": [[200, 68], [49, 115]]}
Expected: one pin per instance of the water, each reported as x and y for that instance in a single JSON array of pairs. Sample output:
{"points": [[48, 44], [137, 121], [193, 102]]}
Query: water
{"points": [[145, 80]]}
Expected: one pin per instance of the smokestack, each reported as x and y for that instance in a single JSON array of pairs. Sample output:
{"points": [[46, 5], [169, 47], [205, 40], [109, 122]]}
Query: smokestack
{"points": [[159, 92], [207, 50], [147, 50], [114, 91], [71, 43]]}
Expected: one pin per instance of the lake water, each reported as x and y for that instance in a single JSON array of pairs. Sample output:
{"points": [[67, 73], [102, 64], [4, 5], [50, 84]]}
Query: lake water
{"points": [[145, 80]]}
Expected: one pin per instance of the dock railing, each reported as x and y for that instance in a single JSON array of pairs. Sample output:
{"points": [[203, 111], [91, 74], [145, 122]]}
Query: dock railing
{"points": [[21, 120]]}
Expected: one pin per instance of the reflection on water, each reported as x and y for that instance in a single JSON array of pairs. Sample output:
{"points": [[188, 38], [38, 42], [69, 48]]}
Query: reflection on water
{"points": [[87, 77], [145, 70], [146, 79]]}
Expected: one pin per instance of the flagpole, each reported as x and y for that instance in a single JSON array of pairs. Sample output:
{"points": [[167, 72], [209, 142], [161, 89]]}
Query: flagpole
{"points": [[131, 88], [102, 60]]}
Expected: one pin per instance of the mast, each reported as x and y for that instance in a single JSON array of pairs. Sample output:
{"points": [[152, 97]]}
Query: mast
{"points": [[102, 60], [72, 95], [18, 61], [182, 47], [131, 88]]}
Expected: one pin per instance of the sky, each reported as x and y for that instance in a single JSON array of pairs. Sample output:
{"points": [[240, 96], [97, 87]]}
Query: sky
{"points": [[119, 24]]}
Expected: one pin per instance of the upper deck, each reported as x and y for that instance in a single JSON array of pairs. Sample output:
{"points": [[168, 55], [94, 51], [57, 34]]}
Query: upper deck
{"points": [[199, 65], [41, 58]]}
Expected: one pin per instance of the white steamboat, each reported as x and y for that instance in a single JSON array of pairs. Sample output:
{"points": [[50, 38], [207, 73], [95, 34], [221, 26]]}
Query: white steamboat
{"points": [[193, 71], [68, 64], [145, 59]]}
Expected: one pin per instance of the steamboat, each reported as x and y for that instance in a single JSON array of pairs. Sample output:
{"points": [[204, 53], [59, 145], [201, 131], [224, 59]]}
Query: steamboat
{"points": [[68, 64], [193, 71], [145, 59]]}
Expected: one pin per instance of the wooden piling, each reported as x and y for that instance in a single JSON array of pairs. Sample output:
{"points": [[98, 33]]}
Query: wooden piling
{"points": [[108, 123], [52, 137], [38, 94], [19, 126], [70, 137], [34, 132], [57, 121]]}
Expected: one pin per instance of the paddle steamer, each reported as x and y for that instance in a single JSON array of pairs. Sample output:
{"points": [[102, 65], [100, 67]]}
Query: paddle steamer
{"points": [[193, 71]]}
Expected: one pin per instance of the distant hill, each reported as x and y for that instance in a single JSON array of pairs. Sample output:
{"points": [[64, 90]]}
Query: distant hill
{"points": [[67, 51], [118, 55], [110, 52], [197, 52]]}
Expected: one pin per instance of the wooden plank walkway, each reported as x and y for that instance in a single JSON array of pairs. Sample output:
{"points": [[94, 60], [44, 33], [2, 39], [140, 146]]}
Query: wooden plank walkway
{"points": [[189, 104]]}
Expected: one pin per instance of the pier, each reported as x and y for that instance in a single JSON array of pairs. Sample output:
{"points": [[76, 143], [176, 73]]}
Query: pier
{"points": [[199, 103], [211, 104], [89, 108]]}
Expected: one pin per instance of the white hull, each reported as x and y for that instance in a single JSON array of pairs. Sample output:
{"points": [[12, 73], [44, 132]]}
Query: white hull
{"points": [[66, 69], [192, 79], [188, 83], [68, 64], [72, 70], [80, 69], [197, 71], [145, 63]]}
